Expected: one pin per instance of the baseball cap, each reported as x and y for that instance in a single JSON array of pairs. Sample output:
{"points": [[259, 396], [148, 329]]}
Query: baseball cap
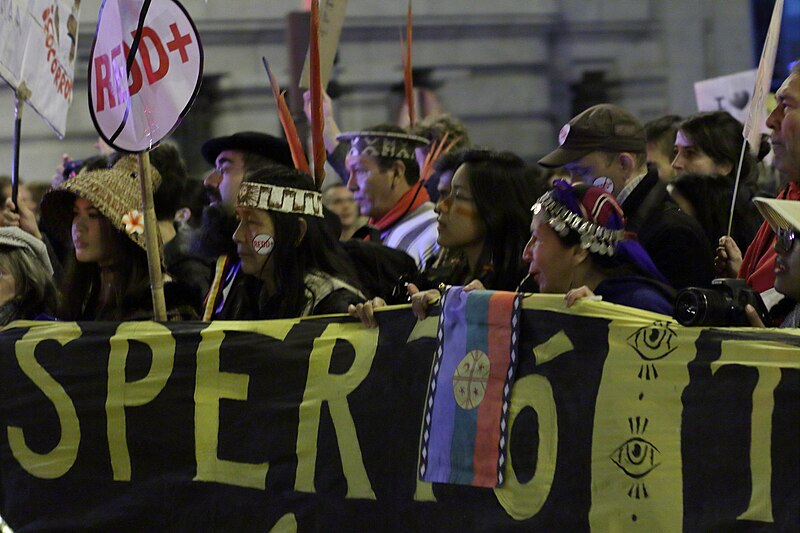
{"points": [[604, 128]]}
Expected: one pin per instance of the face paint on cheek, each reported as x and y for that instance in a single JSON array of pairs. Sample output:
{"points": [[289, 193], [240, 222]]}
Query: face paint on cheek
{"points": [[263, 244], [466, 212]]}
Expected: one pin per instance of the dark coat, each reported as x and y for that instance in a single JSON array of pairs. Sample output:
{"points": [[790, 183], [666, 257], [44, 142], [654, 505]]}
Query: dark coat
{"points": [[638, 292], [674, 240]]}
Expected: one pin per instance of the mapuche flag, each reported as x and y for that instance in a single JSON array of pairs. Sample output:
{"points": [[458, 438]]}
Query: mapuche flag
{"points": [[465, 437]]}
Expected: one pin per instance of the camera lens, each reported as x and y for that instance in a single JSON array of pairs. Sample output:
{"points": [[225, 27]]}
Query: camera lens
{"points": [[690, 307], [702, 307]]}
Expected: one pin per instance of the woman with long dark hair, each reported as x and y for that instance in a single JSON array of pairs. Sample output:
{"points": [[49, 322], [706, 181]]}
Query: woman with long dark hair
{"points": [[282, 239], [106, 275], [483, 218]]}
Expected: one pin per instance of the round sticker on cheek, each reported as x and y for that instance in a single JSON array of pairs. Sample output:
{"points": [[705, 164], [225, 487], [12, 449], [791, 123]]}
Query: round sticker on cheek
{"points": [[263, 244], [604, 183]]}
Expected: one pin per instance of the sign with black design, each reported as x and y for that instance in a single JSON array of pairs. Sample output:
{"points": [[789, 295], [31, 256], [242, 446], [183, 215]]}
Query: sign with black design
{"points": [[619, 420]]}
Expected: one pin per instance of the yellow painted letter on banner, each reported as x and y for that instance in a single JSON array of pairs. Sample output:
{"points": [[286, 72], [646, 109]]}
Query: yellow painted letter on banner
{"points": [[212, 386], [322, 387], [122, 394], [768, 358], [524, 501], [59, 460]]}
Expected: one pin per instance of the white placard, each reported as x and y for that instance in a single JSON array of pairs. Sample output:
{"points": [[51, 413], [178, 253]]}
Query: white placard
{"points": [[732, 93], [38, 45], [133, 113]]}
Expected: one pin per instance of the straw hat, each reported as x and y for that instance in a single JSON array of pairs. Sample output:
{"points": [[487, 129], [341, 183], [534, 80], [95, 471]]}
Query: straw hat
{"points": [[783, 214], [114, 192]]}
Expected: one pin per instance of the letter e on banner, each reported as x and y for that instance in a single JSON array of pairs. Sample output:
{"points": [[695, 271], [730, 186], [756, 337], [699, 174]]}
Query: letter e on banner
{"points": [[133, 110]]}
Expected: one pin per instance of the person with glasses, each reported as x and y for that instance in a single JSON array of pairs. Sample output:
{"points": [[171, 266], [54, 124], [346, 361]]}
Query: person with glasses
{"points": [[783, 216]]}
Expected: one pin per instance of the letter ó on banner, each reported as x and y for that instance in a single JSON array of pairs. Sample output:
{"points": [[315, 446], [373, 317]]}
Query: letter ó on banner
{"points": [[523, 501], [333, 388], [136, 393], [59, 460]]}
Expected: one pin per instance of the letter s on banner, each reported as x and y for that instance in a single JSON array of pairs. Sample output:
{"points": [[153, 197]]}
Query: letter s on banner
{"points": [[59, 460]]}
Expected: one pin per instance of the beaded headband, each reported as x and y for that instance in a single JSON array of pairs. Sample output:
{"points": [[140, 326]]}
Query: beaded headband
{"points": [[282, 199], [594, 237]]}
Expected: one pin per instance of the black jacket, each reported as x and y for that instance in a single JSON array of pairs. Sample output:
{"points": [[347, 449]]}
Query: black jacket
{"points": [[675, 241]]}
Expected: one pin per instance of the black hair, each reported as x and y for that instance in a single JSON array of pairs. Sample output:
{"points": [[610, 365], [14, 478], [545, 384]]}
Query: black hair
{"points": [[719, 135], [318, 250], [195, 197], [710, 195], [661, 132], [167, 197], [81, 286], [503, 196]]}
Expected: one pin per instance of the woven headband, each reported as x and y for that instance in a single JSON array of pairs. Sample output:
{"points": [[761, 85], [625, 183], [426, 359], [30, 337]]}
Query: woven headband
{"points": [[282, 199], [594, 237]]}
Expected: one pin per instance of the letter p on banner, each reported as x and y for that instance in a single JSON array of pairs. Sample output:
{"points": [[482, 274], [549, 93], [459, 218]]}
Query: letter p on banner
{"points": [[134, 107]]}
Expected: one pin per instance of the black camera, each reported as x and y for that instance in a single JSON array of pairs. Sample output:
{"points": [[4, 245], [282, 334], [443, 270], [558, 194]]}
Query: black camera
{"points": [[721, 305]]}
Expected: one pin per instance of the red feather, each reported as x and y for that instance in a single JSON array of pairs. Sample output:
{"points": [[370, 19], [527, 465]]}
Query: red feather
{"points": [[408, 79], [317, 117], [289, 128]]}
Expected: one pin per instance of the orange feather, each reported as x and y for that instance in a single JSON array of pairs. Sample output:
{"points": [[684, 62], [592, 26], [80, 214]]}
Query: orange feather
{"points": [[289, 128], [408, 79], [317, 117]]}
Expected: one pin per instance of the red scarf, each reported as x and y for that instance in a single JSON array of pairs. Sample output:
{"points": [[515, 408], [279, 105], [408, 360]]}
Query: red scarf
{"points": [[758, 265], [412, 199]]}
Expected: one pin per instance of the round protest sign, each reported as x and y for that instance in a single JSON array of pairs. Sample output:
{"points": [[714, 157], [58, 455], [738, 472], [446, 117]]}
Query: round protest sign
{"points": [[263, 244], [136, 100]]}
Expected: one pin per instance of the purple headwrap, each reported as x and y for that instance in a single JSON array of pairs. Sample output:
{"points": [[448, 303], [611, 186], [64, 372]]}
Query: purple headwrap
{"points": [[598, 220]]}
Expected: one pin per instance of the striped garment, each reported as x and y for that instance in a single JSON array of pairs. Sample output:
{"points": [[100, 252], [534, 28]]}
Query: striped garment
{"points": [[464, 438], [415, 234]]}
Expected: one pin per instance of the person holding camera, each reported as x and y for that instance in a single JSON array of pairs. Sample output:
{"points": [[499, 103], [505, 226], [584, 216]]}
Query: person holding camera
{"points": [[783, 217]]}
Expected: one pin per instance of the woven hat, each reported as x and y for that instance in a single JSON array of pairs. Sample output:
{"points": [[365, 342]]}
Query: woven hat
{"points": [[114, 192], [603, 128], [14, 237], [779, 214]]}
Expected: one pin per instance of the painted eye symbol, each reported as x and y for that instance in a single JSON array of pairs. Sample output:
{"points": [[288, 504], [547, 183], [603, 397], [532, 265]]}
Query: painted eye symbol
{"points": [[654, 341], [636, 457]]}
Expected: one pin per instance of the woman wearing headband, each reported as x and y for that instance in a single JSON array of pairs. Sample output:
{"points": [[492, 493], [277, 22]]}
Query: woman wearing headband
{"points": [[579, 246], [282, 239]]}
